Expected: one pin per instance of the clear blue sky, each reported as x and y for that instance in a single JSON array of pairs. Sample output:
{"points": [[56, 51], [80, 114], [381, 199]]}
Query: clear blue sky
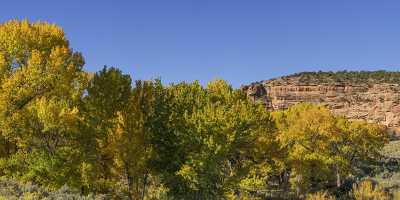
{"points": [[238, 40]]}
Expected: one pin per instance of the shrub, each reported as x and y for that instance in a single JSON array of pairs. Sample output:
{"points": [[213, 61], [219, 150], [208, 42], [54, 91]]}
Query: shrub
{"points": [[11, 190], [320, 196], [367, 190]]}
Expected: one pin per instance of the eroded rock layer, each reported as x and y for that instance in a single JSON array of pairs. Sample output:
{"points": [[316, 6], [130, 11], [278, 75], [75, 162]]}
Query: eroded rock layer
{"points": [[371, 100]]}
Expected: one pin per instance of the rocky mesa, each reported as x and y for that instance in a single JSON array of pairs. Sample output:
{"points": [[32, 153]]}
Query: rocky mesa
{"points": [[362, 95]]}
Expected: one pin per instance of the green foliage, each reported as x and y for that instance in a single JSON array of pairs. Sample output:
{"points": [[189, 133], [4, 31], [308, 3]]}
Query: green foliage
{"points": [[343, 77], [216, 128], [11, 190], [386, 173], [108, 93], [392, 149]]}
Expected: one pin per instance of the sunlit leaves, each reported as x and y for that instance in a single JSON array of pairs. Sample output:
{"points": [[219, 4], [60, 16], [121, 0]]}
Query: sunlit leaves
{"points": [[41, 87], [323, 148]]}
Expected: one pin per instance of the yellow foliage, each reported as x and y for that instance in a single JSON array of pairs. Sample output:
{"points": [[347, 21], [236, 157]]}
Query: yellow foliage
{"points": [[320, 196], [366, 190], [396, 195]]}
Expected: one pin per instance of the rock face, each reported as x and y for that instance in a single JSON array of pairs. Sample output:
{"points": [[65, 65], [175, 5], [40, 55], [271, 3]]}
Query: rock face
{"points": [[373, 101]]}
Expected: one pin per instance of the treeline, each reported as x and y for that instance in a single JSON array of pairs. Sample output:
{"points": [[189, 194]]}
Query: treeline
{"points": [[102, 134], [346, 77]]}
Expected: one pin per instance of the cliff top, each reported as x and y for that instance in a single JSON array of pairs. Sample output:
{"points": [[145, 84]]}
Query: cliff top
{"points": [[337, 78]]}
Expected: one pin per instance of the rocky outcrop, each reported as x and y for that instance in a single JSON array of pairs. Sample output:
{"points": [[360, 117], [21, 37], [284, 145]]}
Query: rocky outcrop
{"points": [[371, 101]]}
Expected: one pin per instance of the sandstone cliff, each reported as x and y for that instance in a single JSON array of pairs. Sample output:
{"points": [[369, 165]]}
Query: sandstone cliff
{"points": [[371, 96]]}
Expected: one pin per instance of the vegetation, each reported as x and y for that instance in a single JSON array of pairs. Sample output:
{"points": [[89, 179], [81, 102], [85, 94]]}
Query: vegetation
{"points": [[320, 196], [66, 133], [343, 77], [366, 190], [11, 190]]}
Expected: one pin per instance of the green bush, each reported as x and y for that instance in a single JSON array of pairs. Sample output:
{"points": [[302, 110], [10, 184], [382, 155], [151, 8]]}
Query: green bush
{"points": [[11, 190]]}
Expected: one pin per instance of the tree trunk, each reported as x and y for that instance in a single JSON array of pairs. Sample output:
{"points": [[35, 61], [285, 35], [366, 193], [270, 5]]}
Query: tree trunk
{"points": [[338, 178], [144, 185], [285, 184], [299, 180], [129, 180]]}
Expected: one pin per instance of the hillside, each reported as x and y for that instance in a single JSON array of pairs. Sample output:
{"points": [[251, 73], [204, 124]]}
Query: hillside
{"points": [[360, 95]]}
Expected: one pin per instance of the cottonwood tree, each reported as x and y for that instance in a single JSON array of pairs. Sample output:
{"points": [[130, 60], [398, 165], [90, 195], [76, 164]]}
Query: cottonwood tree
{"points": [[108, 94], [41, 83], [322, 148], [219, 134], [129, 143]]}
